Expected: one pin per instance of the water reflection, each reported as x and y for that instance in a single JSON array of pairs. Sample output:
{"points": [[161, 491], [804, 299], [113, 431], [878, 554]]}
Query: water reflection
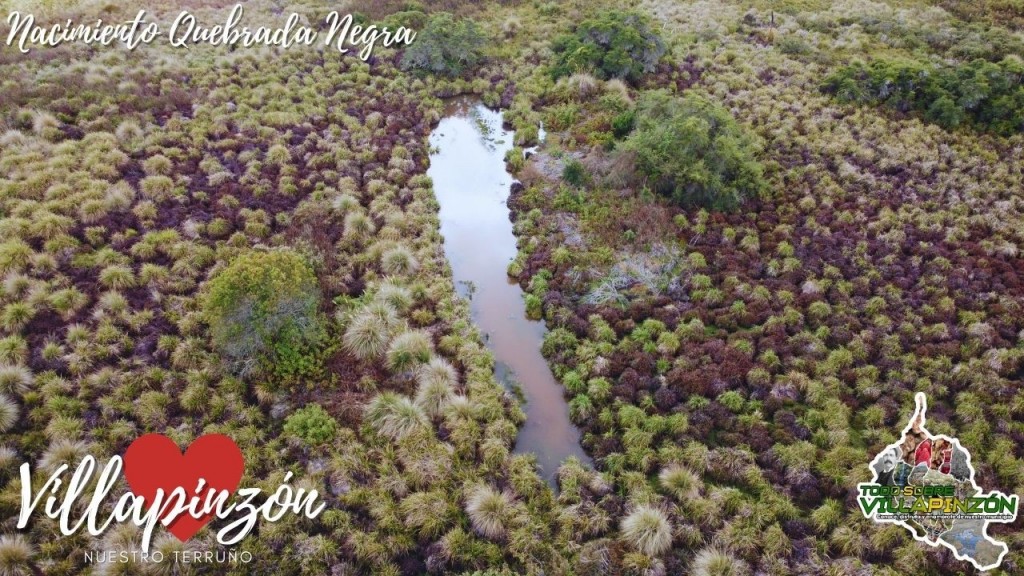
{"points": [[472, 186]]}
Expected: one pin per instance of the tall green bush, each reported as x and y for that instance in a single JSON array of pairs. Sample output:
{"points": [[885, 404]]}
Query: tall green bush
{"points": [[693, 151], [312, 424], [989, 95], [446, 45], [263, 307], [613, 45]]}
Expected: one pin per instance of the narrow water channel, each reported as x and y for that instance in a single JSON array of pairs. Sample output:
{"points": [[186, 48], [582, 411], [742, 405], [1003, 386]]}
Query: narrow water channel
{"points": [[467, 167]]}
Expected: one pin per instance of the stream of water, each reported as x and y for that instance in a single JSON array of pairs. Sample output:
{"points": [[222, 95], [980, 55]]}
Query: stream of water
{"points": [[467, 167]]}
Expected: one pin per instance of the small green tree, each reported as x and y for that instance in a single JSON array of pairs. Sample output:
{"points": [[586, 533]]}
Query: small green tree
{"points": [[613, 45], [312, 424], [693, 151], [262, 307], [446, 46]]}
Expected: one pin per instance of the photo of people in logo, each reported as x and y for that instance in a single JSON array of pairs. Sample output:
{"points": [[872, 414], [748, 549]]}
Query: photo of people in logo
{"points": [[923, 459]]}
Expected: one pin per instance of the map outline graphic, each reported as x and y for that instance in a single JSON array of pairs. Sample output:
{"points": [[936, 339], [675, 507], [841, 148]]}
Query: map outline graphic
{"points": [[918, 417]]}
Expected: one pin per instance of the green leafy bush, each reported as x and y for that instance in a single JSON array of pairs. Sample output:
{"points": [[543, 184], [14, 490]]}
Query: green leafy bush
{"points": [[991, 95], [613, 45], [312, 424], [446, 46], [534, 307], [693, 151], [264, 306], [575, 173]]}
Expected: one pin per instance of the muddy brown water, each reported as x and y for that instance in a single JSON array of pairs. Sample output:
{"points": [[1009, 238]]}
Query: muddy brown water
{"points": [[467, 166]]}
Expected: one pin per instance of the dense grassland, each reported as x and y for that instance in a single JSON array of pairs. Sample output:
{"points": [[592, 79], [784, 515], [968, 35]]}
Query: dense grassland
{"points": [[245, 242]]}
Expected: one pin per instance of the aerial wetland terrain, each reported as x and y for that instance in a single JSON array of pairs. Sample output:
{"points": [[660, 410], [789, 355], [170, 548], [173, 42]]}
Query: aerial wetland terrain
{"points": [[556, 288]]}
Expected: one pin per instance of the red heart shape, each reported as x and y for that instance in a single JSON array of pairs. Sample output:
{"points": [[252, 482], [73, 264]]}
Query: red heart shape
{"points": [[154, 462]]}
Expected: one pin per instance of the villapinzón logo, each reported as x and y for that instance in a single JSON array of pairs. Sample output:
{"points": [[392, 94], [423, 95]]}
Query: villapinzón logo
{"points": [[180, 491], [926, 484]]}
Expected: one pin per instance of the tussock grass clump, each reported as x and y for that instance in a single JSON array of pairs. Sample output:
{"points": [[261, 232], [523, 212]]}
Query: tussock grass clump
{"points": [[344, 203], [13, 350], [12, 138], [278, 155], [16, 315], [15, 379], [92, 211], [129, 133], [849, 540], [681, 482], [9, 412], [169, 546], [16, 285], [398, 261], [157, 188], [429, 512], [438, 370], [716, 562], [409, 349], [828, 515], [358, 226], [395, 416], [16, 554], [120, 196], [459, 408], [619, 89], [117, 277], [647, 529], [8, 458], [14, 255], [369, 331], [436, 388], [583, 85], [489, 511], [158, 165], [395, 295], [45, 124], [64, 451]]}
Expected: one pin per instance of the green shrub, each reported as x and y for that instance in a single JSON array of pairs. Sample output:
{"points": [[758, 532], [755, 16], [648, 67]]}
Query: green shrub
{"points": [[264, 307], [613, 45], [694, 151], [534, 307], [574, 173], [622, 123], [446, 46], [791, 44], [514, 159], [312, 424], [991, 95]]}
